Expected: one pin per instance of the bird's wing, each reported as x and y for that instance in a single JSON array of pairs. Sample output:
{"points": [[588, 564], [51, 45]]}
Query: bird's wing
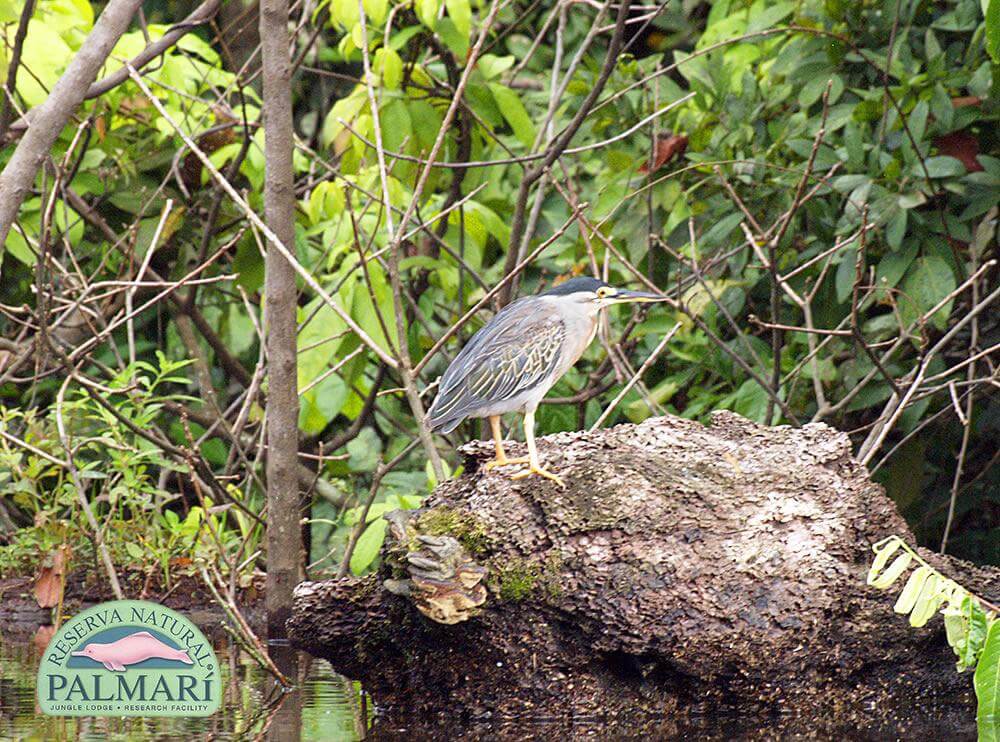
{"points": [[512, 353]]}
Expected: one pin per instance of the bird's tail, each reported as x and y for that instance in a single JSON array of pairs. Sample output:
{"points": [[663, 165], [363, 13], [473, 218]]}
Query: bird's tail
{"points": [[443, 425]]}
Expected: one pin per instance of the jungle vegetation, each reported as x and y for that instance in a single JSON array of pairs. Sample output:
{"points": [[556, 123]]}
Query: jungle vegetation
{"points": [[815, 184]]}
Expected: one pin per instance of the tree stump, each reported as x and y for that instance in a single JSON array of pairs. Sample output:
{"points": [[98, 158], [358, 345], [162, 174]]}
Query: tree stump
{"points": [[682, 567]]}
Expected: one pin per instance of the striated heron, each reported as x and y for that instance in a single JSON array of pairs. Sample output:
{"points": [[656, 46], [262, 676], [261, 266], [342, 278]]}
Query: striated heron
{"points": [[513, 361]]}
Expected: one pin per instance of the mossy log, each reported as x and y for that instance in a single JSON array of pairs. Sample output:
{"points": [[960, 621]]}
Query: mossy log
{"points": [[682, 567]]}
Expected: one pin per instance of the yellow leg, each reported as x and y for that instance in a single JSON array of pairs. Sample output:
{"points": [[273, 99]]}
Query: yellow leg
{"points": [[501, 455], [534, 467]]}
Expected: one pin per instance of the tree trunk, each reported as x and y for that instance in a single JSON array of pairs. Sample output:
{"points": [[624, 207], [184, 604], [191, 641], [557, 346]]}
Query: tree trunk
{"points": [[682, 567], [284, 536]]}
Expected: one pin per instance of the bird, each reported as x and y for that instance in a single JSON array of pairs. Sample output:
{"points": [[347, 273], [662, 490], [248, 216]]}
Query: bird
{"points": [[517, 356]]}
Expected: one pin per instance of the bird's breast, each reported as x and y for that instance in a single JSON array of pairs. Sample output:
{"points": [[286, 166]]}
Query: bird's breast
{"points": [[580, 333]]}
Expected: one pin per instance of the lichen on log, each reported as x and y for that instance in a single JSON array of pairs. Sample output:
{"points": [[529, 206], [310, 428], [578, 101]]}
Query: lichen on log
{"points": [[682, 565]]}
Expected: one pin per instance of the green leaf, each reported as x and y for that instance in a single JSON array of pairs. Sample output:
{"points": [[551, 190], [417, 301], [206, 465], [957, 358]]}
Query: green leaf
{"points": [[929, 280], [769, 16], [894, 570], [390, 66], [908, 598], [928, 601], [941, 166], [912, 200], [375, 10], [968, 654], [427, 11], [492, 66], [894, 265], [987, 677], [134, 550], [460, 14], [956, 629], [345, 109], [344, 13], [993, 30], [514, 113], [845, 275], [367, 547], [882, 556], [8, 13], [454, 39]]}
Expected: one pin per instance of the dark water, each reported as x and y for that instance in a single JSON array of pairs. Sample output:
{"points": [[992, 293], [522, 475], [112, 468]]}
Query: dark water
{"points": [[327, 706], [323, 706]]}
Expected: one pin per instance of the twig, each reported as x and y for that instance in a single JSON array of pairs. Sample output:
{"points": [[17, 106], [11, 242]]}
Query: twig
{"points": [[638, 375]]}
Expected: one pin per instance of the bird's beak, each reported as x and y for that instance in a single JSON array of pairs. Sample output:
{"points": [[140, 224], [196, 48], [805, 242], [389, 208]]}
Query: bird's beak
{"points": [[638, 297]]}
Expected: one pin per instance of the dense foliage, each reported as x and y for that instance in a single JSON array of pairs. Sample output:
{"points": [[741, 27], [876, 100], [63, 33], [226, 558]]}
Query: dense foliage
{"points": [[815, 183]]}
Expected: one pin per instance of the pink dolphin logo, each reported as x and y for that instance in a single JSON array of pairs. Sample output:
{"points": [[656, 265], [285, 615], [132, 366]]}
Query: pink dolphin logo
{"points": [[131, 649]]}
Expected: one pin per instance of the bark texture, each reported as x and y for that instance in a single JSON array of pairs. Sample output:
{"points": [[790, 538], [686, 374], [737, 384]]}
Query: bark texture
{"points": [[682, 567], [284, 535]]}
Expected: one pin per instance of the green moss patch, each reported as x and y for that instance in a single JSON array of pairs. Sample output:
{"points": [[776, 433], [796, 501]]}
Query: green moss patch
{"points": [[520, 579], [462, 525]]}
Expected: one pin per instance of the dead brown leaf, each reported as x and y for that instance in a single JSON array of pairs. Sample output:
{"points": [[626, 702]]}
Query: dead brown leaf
{"points": [[51, 578], [963, 146], [42, 637], [668, 146]]}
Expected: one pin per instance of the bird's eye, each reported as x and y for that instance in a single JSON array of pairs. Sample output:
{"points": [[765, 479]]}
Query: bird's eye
{"points": [[603, 292]]}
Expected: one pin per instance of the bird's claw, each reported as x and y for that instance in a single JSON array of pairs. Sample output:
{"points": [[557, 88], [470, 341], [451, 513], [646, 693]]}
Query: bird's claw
{"points": [[505, 462], [540, 472]]}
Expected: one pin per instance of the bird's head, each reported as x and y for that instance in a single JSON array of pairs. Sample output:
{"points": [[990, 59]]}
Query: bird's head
{"points": [[596, 294]]}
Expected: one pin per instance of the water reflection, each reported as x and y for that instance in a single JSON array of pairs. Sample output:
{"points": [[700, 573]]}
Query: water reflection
{"points": [[323, 706], [326, 706]]}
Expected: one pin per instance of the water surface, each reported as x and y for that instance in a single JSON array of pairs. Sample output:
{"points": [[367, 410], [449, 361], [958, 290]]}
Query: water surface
{"points": [[323, 706], [326, 706]]}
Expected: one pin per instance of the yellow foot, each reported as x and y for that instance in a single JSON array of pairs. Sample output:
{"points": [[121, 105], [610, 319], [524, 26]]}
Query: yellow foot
{"points": [[540, 472], [505, 461]]}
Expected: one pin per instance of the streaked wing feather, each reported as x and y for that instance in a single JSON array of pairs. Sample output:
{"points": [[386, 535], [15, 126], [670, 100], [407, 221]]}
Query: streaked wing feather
{"points": [[512, 353]]}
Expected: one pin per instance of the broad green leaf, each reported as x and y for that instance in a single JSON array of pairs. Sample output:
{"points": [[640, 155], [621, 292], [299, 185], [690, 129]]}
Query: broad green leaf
{"points": [[895, 229], [918, 120], [375, 10], [344, 13], [929, 280], [987, 677], [845, 275], [908, 598], [426, 122], [514, 113], [390, 66], [768, 16], [134, 550], [956, 629], [345, 109], [364, 451], [326, 200], [8, 12], [893, 571], [367, 547], [427, 12], [941, 166], [978, 625], [461, 15], [492, 66], [455, 40], [993, 30]]}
